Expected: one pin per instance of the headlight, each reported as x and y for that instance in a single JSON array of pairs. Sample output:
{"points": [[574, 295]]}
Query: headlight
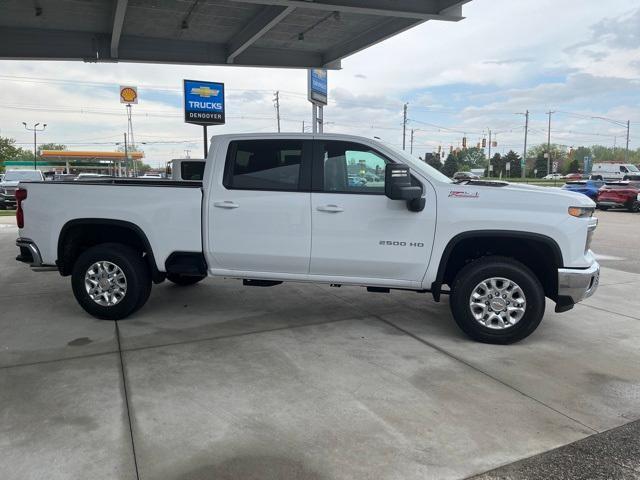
{"points": [[581, 212]]}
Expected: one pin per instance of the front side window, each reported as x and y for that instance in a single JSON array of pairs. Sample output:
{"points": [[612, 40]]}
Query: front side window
{"points": [[352, 168], [263, 165]]}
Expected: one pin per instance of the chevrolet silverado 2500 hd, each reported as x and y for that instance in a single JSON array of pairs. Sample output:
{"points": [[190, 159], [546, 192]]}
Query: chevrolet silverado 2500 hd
{"points": [[331, 209]]}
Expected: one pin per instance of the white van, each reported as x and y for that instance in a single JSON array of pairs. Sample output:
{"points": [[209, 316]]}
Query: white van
{"points": [[613, 171], [187, 169]]}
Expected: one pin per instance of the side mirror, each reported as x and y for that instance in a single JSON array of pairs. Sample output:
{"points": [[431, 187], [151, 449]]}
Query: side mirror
{"points": [[397, 186]]}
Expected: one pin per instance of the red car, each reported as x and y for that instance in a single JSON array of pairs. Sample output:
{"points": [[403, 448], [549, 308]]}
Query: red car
{"points": [[620, 194]]}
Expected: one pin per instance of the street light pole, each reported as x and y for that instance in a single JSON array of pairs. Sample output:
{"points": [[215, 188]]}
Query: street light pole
{"points": [[35, 129]]}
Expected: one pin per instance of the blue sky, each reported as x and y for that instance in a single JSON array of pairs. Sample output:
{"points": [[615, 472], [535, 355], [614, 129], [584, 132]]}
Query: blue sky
{"points": [[579, 58]]}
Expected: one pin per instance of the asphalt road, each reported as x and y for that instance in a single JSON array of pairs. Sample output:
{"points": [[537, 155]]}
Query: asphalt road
{"points": [[617, 240]]}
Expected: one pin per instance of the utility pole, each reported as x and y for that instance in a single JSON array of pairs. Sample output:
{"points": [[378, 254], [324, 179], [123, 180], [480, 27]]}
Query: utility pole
{"points": [[626, 152], [404, 125], [126, 152], [549, 143], [276, 103], [523, 165], [35, 131], [489, 154], [302, 126], [411, 149]]}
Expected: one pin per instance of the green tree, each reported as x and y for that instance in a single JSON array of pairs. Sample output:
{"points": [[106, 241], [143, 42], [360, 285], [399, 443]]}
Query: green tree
{"points": [[540, 169], [433, 160], [498, 165], [450, 165], [473, 157], [8, 151], [558, 154], [514, 163], [576, 159], [50, 146]]}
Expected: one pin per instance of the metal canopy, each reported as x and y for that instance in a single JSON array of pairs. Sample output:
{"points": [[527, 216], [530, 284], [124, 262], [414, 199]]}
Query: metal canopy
{"points": [[269, 33]]}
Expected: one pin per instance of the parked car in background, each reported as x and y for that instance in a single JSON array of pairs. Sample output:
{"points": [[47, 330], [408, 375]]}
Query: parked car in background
{"points": [[151, 175], [63, 177], [573, 176], [90, 176], [589, 188], [613, 171], [620, 195], [187, 169], [10, 182], [552, 176], [465, 176]]}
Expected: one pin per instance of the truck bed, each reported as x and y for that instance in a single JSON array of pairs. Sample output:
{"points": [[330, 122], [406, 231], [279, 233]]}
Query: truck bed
{"points": [[169, 212]]}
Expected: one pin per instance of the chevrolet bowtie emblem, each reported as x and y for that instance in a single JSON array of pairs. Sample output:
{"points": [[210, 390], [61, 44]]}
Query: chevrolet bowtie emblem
{"points": [[205, 92]]}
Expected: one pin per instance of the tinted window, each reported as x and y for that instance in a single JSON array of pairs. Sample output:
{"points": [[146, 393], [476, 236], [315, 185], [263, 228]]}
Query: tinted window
{"points": [[352, 168], [191, 170], [263, 165]]}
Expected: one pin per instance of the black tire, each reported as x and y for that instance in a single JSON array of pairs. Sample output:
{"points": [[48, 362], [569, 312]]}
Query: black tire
{"points": [[604, 209], [136, 272], [494, 266], [634, 207], [184, 280]]}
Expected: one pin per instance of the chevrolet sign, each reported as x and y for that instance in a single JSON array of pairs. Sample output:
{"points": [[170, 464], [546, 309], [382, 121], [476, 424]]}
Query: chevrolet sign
{"points": [[203, 102]]}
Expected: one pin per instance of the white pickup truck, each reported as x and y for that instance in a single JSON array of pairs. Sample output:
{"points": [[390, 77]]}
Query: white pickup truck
{"points": [[333, 209]]}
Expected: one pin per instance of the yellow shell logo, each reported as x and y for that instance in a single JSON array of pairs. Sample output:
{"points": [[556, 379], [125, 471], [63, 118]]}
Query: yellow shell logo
{"points": [[128, 94]]}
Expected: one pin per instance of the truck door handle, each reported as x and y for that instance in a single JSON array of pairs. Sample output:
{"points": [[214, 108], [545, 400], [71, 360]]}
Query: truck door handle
{"points": [[226, 204], [330, 208]]}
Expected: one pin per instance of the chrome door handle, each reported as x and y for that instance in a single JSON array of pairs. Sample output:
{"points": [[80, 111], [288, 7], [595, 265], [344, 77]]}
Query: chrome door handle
{"points": [[226, 204], [330, 208]]}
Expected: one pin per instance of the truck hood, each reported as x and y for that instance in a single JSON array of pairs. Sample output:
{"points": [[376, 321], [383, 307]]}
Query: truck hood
{"points": [[9, 184], [574, 198]]}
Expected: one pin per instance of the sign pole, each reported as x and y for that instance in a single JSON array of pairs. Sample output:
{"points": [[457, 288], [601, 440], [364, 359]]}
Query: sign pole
{"points": [[320, 120], [206, 143], [314, 115]]}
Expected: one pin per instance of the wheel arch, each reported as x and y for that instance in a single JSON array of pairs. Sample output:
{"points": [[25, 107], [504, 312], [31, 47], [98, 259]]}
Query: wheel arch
{"points": [[478, 243], [81, 233]]}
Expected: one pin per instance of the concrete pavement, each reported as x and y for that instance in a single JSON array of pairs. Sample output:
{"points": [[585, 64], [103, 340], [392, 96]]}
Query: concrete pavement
{"points": [[221, 381]]}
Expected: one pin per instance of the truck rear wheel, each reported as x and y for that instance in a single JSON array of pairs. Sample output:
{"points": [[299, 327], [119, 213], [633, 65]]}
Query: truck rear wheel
{"points": [[184, 280], [497, 300], [111, 281]]}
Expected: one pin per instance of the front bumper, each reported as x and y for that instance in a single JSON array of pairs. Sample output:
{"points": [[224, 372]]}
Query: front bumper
{"points": [[29, 252], [576, 284]]}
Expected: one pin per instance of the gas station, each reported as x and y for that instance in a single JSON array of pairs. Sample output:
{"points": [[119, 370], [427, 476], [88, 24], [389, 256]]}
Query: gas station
{"points": [[293, 382]]}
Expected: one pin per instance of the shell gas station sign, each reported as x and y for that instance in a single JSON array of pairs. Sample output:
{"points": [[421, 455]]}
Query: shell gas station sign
{"points": [[128, 94]]}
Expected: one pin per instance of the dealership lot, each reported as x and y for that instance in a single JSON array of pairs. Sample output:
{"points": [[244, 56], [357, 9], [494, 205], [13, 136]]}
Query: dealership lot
{"points": [[301, 381]]}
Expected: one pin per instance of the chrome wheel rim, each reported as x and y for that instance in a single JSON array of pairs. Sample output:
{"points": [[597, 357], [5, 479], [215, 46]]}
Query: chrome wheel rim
{"points": [[106, 283], [497, 303]]}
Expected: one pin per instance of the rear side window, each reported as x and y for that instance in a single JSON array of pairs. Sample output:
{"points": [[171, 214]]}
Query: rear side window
{"points": [[191, 170], [263, 165]]}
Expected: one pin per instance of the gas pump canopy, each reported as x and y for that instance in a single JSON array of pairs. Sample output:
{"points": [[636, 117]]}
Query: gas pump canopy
{"points": [[268, 33]]}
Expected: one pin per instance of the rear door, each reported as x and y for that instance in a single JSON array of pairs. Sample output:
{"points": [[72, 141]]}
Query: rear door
{"points": [[358, 231], [259, 216]]}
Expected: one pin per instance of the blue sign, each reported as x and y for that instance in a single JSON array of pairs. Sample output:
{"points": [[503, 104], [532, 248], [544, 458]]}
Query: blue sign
{"points": [[317, 91], [203, 102]]}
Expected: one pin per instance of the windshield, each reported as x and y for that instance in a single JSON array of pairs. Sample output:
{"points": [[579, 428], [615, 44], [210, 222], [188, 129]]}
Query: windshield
{"points": [[632, 168], [19, 176], [425, 167]]}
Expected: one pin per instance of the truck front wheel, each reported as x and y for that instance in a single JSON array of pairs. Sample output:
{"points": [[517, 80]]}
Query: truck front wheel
{"points": [[497, 300], [111, 281]]}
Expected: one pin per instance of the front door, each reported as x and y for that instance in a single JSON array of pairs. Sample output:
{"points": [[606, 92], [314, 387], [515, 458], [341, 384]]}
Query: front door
{"points": [[259, 216], [356, 230]]}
